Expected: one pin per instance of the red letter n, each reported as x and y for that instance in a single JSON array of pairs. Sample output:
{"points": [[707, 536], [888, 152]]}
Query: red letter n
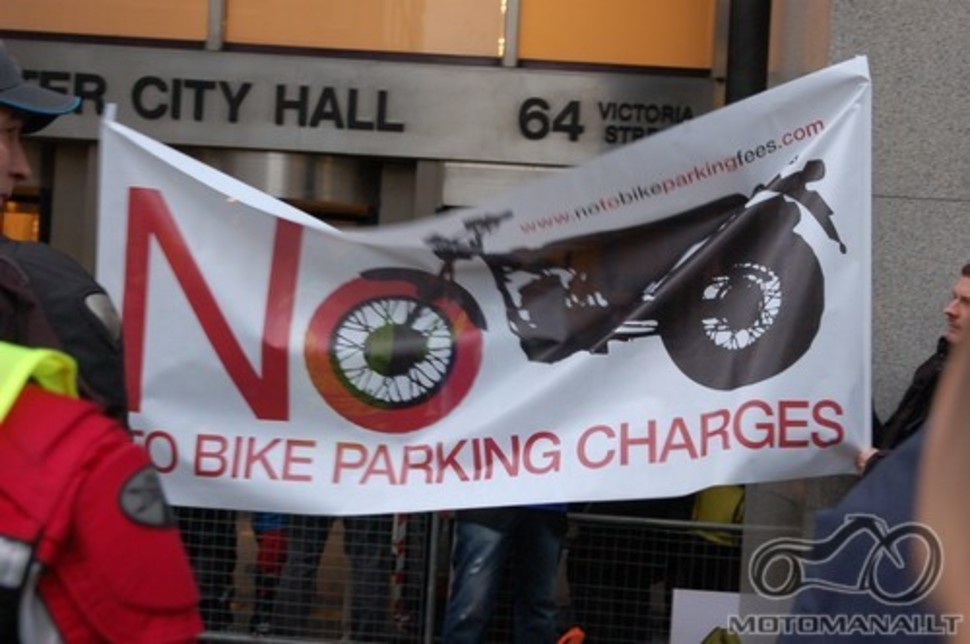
{"points": [[268, 393]]}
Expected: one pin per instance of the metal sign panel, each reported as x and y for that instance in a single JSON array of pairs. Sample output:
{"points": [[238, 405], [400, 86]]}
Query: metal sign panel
{"points": [[374, 108]]}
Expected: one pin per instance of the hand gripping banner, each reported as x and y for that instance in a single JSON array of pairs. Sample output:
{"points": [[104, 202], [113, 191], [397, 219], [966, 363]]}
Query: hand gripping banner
{"points": [[689, 310]]}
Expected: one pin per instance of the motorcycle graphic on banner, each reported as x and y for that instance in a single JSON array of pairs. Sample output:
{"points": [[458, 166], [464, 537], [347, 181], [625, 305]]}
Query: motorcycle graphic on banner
{"points": [[735, 294]]}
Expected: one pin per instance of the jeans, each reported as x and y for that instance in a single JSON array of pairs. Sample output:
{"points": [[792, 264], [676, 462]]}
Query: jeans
{"points": [[484, 540]]}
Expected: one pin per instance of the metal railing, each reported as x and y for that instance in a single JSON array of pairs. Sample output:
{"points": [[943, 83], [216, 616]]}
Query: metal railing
{"points": [[385, 578]]}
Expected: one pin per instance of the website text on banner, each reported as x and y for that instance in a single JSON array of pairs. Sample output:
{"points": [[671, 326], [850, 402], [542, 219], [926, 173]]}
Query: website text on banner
{"points": [[690, 310]]}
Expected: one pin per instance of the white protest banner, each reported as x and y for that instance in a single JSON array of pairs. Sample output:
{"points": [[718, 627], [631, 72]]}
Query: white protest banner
{"points": [[690, 310]]}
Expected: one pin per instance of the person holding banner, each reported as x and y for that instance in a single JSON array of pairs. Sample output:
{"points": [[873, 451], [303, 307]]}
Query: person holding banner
{"points": [[888, 498], [914, 407], [485, 539]]}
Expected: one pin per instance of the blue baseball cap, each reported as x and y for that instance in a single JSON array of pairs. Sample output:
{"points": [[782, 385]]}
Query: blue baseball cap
{"points": [[39, 106]]}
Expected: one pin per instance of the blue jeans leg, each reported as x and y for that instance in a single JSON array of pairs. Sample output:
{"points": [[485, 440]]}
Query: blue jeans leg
{"points": [[478, 556]]}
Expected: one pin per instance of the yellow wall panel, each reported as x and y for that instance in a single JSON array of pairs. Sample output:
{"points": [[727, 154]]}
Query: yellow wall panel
{"points": [[655, 33], [162, 19], [658, 33], [455, 27]]}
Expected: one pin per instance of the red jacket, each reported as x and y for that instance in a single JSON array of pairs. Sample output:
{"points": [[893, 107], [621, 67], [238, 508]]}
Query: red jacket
{"points": [[77, 496]]}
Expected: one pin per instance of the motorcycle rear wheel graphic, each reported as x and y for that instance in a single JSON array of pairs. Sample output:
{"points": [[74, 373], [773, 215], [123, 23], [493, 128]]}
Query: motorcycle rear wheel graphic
{"points": [[387, 359], [747, 316], [776, 569]]}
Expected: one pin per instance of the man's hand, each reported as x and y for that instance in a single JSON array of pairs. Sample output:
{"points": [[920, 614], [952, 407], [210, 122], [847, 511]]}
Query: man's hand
{"points": [[863, 457]]}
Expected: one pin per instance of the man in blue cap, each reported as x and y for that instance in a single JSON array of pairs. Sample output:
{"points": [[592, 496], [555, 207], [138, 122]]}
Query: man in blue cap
{"points": [[35, 106], [24, 109]]}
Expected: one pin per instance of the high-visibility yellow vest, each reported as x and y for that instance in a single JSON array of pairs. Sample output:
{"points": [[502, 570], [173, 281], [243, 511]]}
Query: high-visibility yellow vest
{"points": [[52, 370]]}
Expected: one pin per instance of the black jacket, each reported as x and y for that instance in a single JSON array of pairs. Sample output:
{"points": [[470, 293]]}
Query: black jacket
{"points": [[913, 409]]}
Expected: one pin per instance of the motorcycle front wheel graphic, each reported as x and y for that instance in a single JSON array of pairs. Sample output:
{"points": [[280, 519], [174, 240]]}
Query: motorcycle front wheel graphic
{"points": [[906, 567], [388, 359], [746, 316]]}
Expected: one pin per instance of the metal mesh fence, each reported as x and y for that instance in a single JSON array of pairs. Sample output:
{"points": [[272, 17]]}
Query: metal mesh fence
{"points": [[265, 576], [621, 573], [286, 578]]}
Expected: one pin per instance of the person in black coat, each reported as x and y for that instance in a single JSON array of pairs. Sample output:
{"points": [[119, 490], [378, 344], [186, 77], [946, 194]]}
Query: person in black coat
{"points": [[913, 409]]}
